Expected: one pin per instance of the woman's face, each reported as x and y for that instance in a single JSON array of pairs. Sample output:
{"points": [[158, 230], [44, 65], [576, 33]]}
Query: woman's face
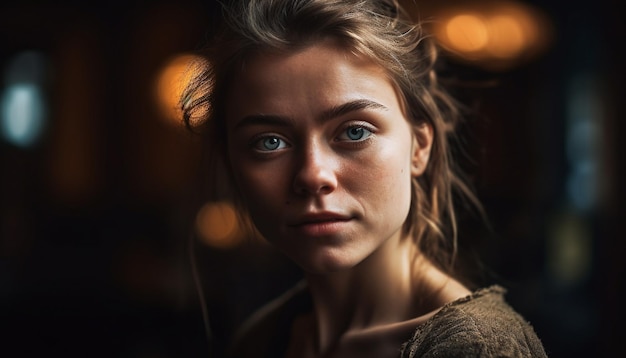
{"points": [[322, 154]]}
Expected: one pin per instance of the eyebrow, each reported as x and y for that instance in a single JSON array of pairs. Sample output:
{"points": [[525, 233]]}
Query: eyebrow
{"points": [[352, 106], [333, 112]]}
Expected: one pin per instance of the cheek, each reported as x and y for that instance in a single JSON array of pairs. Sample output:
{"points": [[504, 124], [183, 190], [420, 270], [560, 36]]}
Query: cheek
{"points": [[394, 163], [253, 185], [261, 188], [385, 181], [395, 188]]}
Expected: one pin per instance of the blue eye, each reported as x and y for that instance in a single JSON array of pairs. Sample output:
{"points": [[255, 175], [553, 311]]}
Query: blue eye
{"points": [[355, 133], [268, 144]]}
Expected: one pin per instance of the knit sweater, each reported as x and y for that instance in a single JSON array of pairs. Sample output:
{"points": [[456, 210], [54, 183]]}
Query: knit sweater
{"points": [[481, 324]]}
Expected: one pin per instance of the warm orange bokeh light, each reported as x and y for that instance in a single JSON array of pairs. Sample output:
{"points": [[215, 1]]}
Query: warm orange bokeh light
{"points": [[218, 225], [493, 34], [507, 38], [172, 79], [467, 33]]}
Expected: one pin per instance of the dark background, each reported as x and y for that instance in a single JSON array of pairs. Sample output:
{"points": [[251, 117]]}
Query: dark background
{"points": [[96, 215]]}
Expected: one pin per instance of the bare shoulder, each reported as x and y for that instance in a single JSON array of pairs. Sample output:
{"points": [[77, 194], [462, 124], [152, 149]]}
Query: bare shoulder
{"points": [[262, 333], [481, 324]]}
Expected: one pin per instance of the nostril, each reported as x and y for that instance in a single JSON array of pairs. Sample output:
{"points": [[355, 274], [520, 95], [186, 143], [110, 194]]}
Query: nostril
{"points": [[315, 182], [315, 172]]}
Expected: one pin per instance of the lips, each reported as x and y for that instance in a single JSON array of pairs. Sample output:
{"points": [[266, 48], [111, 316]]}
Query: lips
{"points": [[320, 218], [324, 224]]}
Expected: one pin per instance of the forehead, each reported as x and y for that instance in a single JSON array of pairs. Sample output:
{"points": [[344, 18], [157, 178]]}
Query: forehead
{"points": [[323, 57], [324, 73]]}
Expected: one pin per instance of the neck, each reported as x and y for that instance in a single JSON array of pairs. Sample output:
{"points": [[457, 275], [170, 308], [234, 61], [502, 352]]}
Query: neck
{"points": [[382, 290]]}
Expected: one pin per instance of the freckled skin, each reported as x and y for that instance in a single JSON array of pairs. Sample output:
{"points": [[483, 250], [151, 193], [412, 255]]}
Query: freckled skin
{"points": [[317, 166], [323, 156]]}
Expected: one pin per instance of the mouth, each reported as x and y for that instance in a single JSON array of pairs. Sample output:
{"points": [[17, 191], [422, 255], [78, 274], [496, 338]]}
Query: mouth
{"points": [[320, 218], [321, 224]]}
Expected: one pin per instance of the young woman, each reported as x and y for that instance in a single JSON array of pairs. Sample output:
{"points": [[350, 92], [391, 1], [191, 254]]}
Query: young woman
{"points": [[329, 121]]}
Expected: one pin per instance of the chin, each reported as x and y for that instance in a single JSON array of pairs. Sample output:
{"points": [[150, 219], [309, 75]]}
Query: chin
{"points": [[326, 264]]}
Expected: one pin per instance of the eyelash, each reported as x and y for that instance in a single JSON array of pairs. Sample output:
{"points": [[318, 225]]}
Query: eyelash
{"points": [[257, 142], [358, 126]]}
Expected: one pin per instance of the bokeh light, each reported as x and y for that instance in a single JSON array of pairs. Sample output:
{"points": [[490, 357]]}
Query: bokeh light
{"points": [[22, 102], [171, 81], [467, 32], [493, 35], [508, 38], [218, 226], [22, 114]]}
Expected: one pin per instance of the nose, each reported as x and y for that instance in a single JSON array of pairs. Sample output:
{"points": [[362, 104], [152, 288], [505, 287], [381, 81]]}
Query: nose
{"points": [[316, 171]]}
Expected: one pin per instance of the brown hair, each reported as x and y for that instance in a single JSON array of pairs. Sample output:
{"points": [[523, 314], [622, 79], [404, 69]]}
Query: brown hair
{"points": [[377, 29]]}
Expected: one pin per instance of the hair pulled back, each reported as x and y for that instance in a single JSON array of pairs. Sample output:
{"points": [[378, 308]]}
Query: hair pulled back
{"points": [[381, 31]]}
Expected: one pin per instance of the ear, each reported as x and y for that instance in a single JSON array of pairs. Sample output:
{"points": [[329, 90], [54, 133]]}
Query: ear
{"points": [[422, 144]]}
